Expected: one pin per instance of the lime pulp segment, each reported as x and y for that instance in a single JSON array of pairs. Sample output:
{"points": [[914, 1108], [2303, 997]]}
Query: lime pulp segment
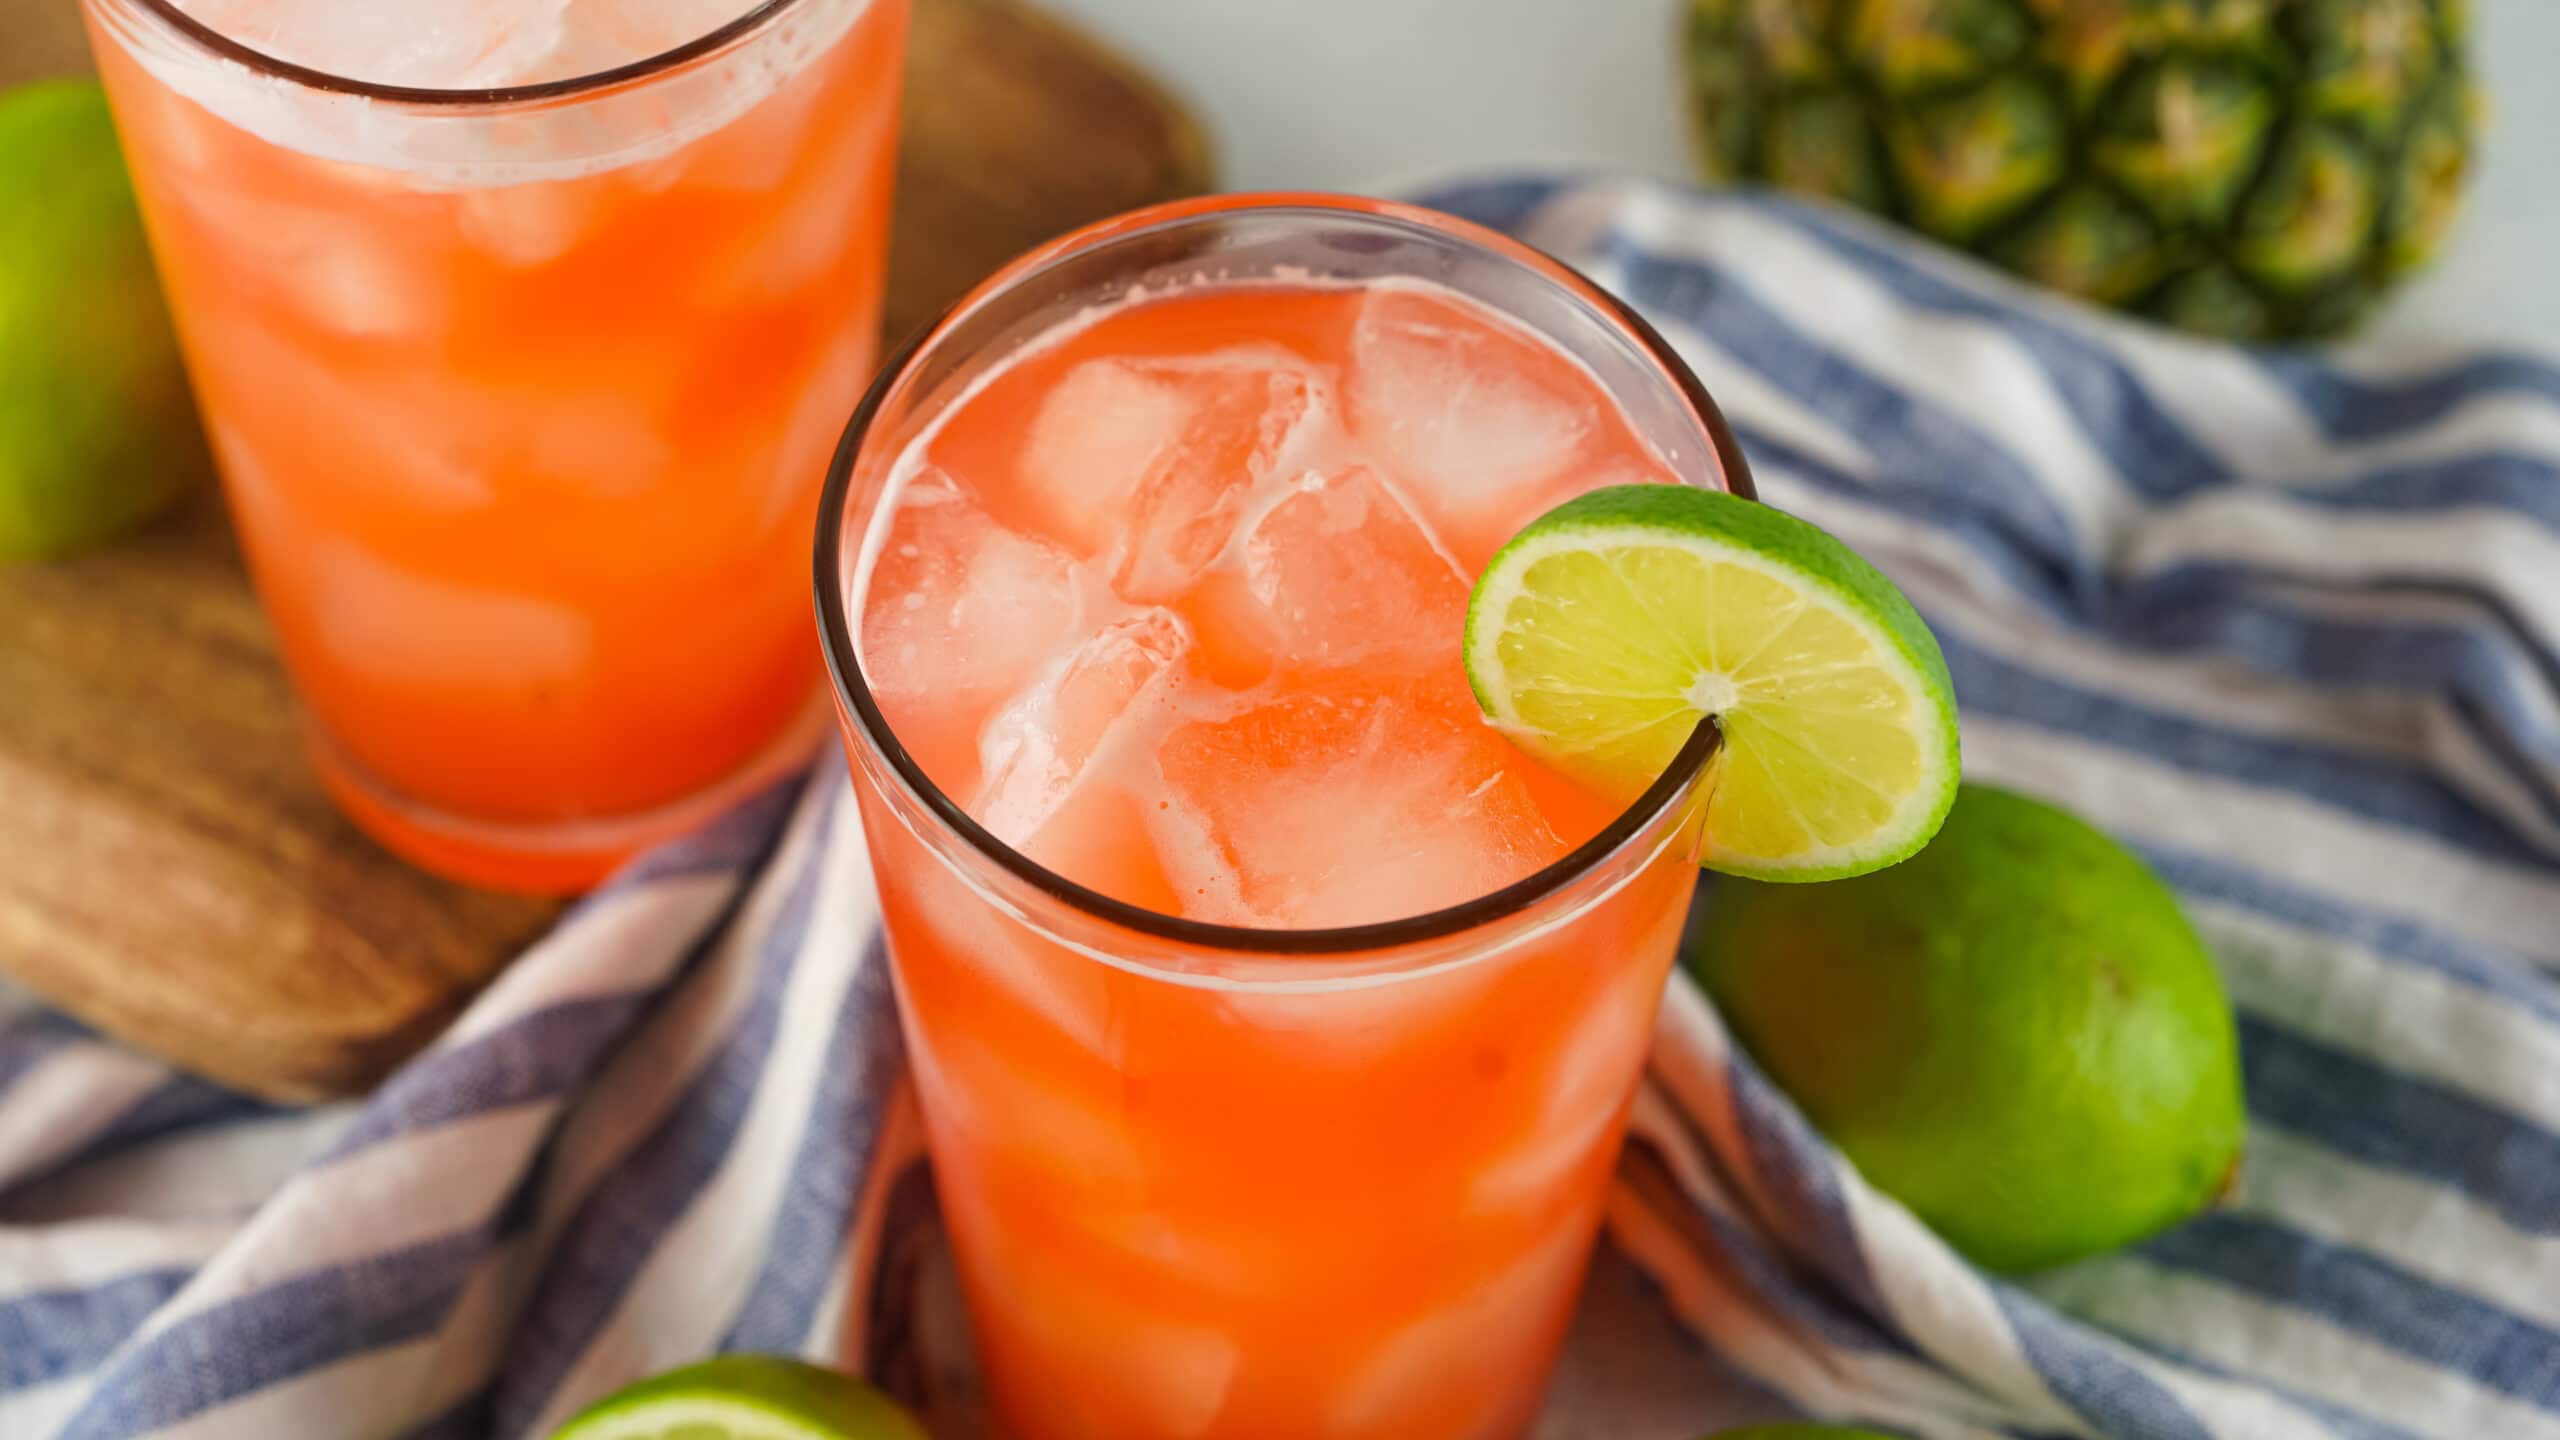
{"points": [[1604, 632]]}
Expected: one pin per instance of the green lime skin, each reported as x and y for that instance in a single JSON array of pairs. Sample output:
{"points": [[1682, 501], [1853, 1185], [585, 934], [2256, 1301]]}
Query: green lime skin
{"points": [[2014, 1032], [1803, 1431], [1800, 1431], [97, 430], [811, 1397]]}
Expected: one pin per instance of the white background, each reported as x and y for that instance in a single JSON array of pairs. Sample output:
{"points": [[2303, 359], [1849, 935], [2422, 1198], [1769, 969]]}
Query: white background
{"points": [[1361, 94]]}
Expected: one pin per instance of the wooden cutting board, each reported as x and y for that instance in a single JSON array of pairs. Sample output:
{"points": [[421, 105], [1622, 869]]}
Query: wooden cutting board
{"points": [[169, 868]]}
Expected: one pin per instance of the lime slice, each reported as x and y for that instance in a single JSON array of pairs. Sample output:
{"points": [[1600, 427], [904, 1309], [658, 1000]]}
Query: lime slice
{"points": [[744, 1397], [1601, 635]]}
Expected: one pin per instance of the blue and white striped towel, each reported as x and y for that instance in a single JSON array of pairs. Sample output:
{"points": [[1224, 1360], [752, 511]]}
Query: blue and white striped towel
{"points": [[2290, 625]]}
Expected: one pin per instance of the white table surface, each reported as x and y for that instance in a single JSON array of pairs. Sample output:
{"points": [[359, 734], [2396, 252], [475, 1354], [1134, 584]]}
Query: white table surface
{"points": [[1358, 94]]}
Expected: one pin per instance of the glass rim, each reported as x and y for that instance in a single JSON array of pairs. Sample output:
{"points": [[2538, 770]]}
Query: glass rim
{"points": [[753, 19], [853, 691]]}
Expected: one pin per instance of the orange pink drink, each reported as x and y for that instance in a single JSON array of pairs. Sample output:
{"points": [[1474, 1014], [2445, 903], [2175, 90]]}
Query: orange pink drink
{"points": [[522, 395], [1274, 1020]]}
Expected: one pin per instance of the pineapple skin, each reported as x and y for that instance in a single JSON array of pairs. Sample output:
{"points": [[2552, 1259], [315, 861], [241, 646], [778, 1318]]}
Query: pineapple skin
{"points": [[2247, 169]]}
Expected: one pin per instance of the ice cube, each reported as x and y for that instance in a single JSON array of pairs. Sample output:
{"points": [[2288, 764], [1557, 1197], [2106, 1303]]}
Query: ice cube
{"points": [[818, 223], [1586, 1079], [1038, 747], [1478, 420], [1338, 570], [432, 439], [1357, 1029], [1593, 1080], [1090, 1355], [1503, 1331], [832, 387], [530, 224], [1163, 1378], [1093, 1366], [1091, 444], [1101, 837], [184, 139], [1356, 803], [438, 44], [960, 613], [1531, 1177], [1187, 1252], [378, 275], [1071, 993], [1151, 459], [1641, 470], [599, 34], [1014, 983], [423, 471], [404, 632], [347, 284], [1022, 1115]]}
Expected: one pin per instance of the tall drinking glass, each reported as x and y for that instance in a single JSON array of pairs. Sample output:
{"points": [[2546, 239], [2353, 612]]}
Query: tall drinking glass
{"points": [[522, 330], [1212, 1182]]}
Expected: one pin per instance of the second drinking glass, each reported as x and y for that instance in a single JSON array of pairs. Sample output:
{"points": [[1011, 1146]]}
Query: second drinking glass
{"points": [[522, 332], [1274, 1020]]}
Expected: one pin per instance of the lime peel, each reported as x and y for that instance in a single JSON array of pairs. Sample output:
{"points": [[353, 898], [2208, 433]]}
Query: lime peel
{"points": [[1602, 634], [97, 428], [745, 1397]]}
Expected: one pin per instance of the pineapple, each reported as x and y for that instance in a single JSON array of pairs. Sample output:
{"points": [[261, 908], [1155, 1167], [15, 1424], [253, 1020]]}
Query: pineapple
{"points": [[2254, 169]]}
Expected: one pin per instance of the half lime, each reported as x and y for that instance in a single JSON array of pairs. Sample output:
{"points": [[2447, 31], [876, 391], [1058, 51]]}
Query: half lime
{"points": [[1604, 632], [744, 1397]]}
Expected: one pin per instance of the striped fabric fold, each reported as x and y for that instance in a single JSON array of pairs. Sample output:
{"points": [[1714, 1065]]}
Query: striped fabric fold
{"points": [[2287, 623]]}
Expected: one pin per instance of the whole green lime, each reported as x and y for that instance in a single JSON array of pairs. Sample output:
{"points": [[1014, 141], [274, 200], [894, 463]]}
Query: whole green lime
{"points": [[96, 428], [1800, 1432], [2015, 1032]]}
